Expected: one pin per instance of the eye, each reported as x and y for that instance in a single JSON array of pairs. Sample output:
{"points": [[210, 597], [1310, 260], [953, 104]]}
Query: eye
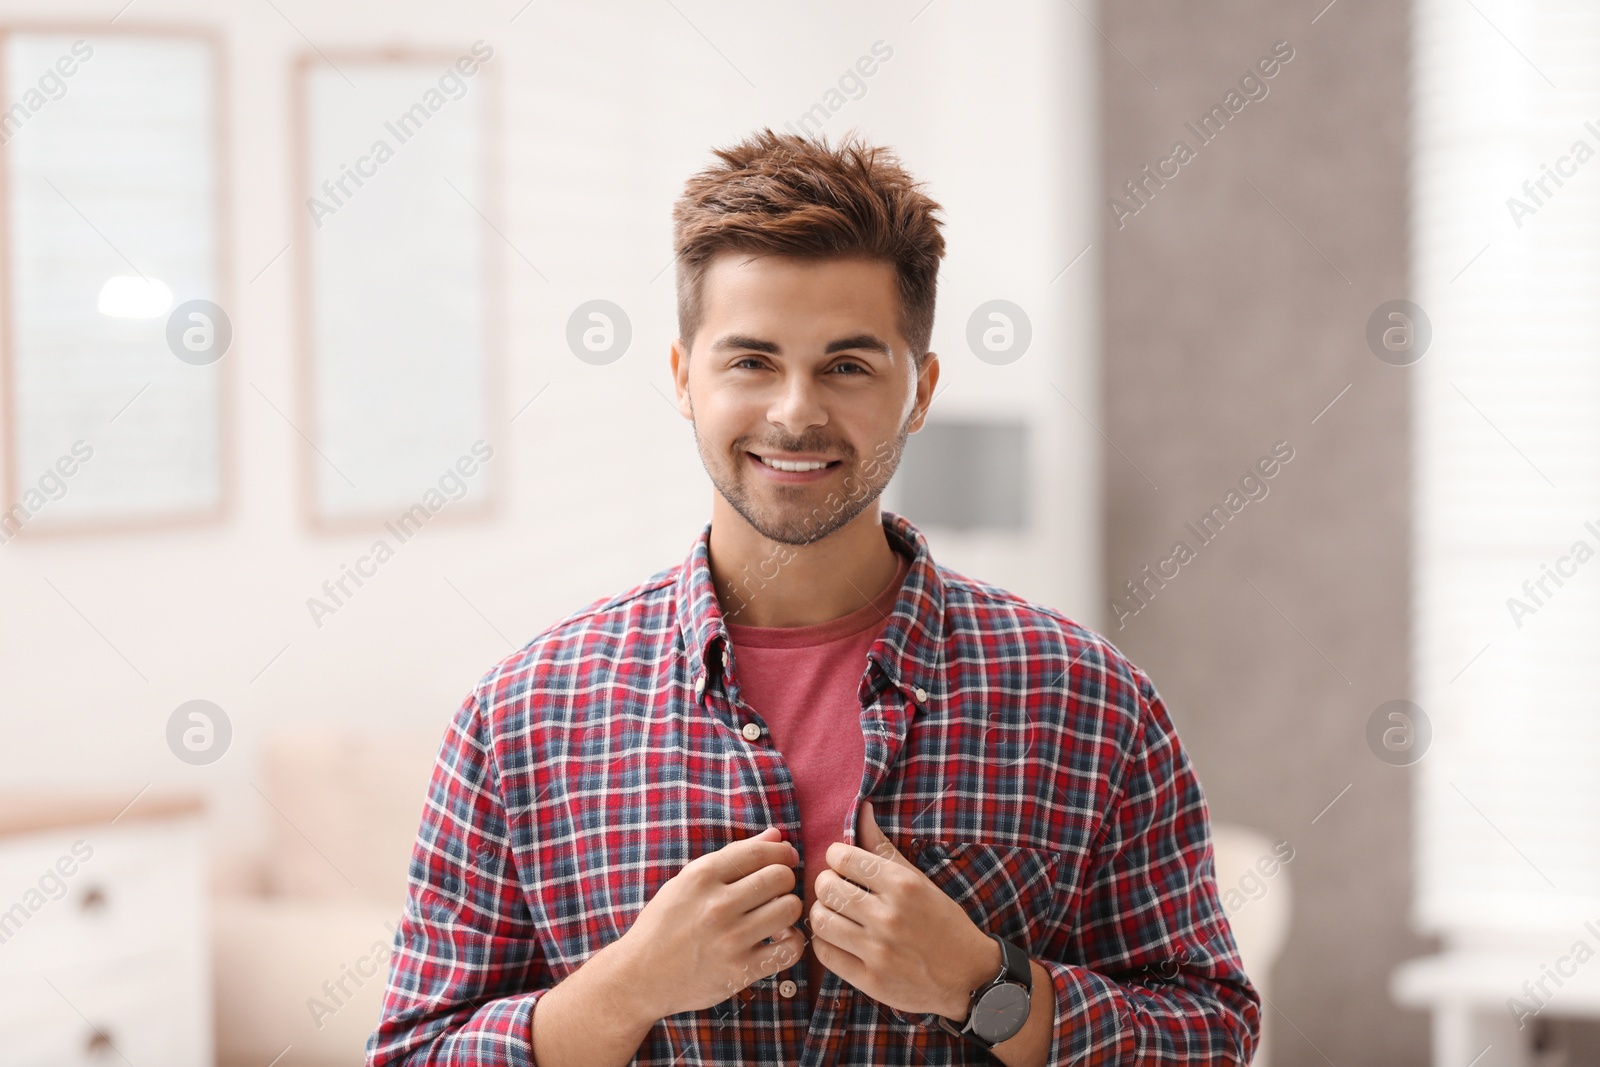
{"points": [[740, 362]]}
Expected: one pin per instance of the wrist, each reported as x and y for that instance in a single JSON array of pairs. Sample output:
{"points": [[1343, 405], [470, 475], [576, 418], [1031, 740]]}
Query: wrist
{"points": [[621, 982], [981, 964]]}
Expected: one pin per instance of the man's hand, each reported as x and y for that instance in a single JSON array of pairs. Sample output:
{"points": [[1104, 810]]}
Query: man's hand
{"points": [[721, 923], [883, 926]]}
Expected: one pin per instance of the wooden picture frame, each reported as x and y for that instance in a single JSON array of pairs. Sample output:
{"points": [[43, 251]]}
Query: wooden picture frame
{"points": [[11, 477], [482, 86]]}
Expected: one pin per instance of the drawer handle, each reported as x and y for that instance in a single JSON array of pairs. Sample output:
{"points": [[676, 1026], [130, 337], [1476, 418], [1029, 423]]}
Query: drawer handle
{"points": [[99, 1043], [94, 897]]}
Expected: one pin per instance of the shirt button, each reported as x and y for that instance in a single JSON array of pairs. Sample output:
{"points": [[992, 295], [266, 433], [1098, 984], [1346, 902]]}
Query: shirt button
{"points": [[787, 988], [700, 685], [922, 695], [752, 731]]}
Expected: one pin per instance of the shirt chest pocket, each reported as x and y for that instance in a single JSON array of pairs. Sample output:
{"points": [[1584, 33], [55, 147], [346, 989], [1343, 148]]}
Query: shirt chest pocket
{"points": [[1007, 890]]}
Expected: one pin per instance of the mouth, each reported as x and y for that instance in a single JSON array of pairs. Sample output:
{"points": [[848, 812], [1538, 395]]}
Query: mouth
{"points": [[809, 473]]}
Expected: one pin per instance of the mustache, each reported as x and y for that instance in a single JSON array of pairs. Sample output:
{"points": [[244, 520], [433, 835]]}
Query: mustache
{"points": [[823, 449]]}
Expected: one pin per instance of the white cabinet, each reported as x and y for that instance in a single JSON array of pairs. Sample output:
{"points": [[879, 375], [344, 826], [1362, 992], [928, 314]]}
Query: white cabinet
{"points": [[103, 936]]}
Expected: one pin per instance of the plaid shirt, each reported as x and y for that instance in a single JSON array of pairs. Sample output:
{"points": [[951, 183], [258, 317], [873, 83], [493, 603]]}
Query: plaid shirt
{"points": [[1017, 758]]}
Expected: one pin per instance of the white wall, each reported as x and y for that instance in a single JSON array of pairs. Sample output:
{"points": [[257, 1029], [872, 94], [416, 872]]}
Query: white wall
{"points": [[606, 113]]}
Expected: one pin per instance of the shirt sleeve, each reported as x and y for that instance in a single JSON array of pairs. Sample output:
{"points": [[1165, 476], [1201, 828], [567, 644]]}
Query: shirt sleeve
{"points": [[467, 968], [1163, 983]]}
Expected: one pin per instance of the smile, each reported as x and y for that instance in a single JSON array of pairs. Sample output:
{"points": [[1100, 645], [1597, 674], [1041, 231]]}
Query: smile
{"points": [[784, 471]]}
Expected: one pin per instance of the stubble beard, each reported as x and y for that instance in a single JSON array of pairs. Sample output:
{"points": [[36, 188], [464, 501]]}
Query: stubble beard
{"points": [[799, 514]]}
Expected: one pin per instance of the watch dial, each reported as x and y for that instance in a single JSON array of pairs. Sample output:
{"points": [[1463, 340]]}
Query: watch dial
{"points": [[1000, 1013]]}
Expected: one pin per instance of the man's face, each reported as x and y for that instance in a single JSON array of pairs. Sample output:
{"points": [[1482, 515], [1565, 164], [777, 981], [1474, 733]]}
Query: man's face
{"points": [[798, 355]]}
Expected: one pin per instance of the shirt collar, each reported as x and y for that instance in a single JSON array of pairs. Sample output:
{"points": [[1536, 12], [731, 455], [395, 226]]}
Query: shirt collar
{"points": [[908, 654]]}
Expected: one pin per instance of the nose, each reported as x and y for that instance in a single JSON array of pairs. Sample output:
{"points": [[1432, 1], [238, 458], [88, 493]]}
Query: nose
{"points": [[797, 406]]}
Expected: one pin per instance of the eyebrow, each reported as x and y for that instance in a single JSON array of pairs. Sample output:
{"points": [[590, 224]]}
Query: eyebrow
{"points": [[844, 344]]}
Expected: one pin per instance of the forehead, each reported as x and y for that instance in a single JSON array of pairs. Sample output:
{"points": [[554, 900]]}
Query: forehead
{"points": [[746, 290]]}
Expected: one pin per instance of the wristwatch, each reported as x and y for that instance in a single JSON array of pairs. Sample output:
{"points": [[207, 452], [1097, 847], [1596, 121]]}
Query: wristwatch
{"points": [[1000, 1007]]}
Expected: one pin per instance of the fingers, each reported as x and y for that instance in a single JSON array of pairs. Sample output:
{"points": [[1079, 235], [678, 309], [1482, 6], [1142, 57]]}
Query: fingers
{"points": [[870, 869], [836, 928], [771, 880], [771, 918], [838, 893], [774, 919], [749, 894], [743, 858], [767, 960]]}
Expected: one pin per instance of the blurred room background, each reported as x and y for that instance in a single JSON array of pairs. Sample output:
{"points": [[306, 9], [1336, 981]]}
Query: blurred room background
{"points": [[334, 367]]}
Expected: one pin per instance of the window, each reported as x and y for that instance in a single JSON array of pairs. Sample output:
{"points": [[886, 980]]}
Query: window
{"points": [[1506, 246]]}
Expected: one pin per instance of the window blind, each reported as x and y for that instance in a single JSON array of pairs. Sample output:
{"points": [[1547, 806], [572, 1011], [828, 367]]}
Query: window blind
{"points": [[1506, 408]]}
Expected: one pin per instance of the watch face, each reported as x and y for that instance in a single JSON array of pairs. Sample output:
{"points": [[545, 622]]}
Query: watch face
{"points": [[1001, 1012]]}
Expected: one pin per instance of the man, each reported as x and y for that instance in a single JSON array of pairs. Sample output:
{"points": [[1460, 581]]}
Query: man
{"points": [[811, 797]]}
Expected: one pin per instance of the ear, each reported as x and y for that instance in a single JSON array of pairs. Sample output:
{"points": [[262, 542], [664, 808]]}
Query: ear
{"points": [[927, 384], [680, 378]]}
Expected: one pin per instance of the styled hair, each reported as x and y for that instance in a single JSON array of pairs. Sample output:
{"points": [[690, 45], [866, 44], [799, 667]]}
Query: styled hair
{"points": [[791, 195]]}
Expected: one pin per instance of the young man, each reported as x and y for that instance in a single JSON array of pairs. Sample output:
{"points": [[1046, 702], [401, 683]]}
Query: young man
{"points": [[809, 796]]}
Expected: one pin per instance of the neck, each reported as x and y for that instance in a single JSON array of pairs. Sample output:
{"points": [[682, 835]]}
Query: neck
{"points": [[760, 582]]}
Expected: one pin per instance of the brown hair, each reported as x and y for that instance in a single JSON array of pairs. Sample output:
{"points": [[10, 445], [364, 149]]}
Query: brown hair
{"points": [[790, 195]]}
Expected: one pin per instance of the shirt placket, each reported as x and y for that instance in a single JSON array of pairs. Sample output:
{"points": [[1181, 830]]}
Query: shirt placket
{"points": [[783, 811]]}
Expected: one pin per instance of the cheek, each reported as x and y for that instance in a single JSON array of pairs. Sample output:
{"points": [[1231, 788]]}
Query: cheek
{"points": [[732, 429]]}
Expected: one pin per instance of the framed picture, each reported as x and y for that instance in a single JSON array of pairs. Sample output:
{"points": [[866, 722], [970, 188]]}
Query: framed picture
{"points": [[401, 308], [114, 322]]}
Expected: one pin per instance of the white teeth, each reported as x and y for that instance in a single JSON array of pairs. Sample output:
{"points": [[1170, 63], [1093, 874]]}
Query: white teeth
{"points": [[784, 465]]}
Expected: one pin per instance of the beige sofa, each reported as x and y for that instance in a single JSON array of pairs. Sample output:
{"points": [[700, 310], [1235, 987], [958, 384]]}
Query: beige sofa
{"points": [[302, 930]]}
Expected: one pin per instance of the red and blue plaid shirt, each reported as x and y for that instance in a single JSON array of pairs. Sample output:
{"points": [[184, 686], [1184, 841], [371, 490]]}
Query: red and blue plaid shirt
{"points": [[1017, 758]]}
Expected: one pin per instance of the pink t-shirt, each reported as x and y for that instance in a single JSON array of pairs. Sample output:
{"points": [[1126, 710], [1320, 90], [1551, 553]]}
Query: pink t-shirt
{"points": [[803, 681]]}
